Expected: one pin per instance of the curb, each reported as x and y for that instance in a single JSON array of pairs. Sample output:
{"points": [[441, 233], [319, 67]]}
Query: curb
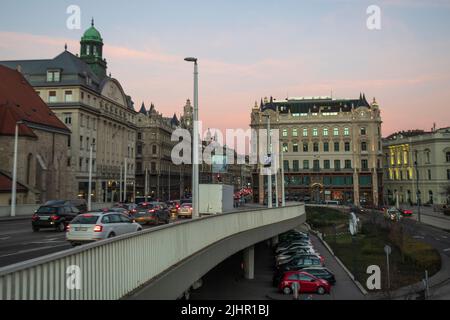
{"points": [[352, 277]]}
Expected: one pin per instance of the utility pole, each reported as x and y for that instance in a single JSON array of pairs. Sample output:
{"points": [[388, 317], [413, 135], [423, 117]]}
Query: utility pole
{"points": [[416, 164], [283, 191], [146, 185], [14, 182], [125, 181], [120, 184], [91, 151]]}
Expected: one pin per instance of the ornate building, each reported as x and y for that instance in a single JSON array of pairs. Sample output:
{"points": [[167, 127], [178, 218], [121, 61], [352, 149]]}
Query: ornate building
{"points": [[95, 108], [429, 154], [332, 148], [153, 157]]}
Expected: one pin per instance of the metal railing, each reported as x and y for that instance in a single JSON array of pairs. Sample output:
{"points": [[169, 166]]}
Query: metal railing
{"points": [[113, 268]]}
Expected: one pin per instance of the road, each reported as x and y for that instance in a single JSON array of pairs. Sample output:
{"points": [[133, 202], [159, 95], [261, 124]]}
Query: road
{"points": [[226, 281], [19, 243]]}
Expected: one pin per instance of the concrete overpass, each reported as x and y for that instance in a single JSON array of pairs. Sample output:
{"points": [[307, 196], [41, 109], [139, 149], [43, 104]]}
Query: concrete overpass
{"points": [[160, 263]]}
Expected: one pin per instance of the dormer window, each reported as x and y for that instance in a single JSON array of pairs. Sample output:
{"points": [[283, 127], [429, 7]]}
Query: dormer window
{"points": [[53, 75]]}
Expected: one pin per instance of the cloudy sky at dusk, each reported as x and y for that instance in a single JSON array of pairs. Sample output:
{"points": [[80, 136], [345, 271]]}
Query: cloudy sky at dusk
{"points": [[249, 49]]}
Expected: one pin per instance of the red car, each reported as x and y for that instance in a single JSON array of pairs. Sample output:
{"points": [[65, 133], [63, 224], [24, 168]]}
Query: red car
{"points": [[307, 283], [406, 212]]}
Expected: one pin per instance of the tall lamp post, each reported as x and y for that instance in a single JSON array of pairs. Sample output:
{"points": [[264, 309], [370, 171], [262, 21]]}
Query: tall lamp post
{"points": [[416, 165], [14, 180], [269, 176], [91, 151], [195, 167]]}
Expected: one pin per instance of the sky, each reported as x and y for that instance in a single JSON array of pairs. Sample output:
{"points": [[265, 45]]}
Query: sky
{"points": [[250, 49]]}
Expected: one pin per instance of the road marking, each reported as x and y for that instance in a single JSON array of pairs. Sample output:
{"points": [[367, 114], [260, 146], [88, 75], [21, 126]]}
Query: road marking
{"points": [[446, 250], [31, 250]]}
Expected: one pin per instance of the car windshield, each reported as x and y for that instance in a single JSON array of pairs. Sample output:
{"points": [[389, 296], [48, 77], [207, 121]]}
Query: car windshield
{"points": [[48, 210], [85, 219]]}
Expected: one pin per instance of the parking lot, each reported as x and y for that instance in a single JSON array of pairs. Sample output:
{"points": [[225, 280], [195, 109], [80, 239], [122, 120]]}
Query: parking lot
{"points": [[226, 281]]}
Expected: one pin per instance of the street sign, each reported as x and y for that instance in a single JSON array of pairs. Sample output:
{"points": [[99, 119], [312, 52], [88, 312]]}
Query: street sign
{"points": [[387, 250]]}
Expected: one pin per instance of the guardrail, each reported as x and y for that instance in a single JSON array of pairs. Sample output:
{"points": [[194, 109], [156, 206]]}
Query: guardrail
{"points": [[110, 269]]}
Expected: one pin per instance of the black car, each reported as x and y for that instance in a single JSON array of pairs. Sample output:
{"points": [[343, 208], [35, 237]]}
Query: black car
{"points": [[299, 264], [152, 213], [80, 204], [53, 217], [322, 273], [295, 258]]}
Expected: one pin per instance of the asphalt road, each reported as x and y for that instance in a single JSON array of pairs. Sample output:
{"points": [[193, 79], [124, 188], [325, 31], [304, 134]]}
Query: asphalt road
{"points": [[226, 281], [19, 243]]}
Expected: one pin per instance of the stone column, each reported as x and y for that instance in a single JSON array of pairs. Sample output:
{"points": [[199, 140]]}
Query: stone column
{"points": [[249, 263]]}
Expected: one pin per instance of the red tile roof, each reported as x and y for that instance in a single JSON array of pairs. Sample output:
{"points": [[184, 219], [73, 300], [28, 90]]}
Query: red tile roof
{"points": [[6, 184], [19, 101]]}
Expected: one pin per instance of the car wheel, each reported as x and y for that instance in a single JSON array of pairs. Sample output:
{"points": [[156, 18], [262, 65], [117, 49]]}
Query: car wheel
{"points": [[139, 230], [36, 229], [61, 227], [287, 290], [111, 235], [321, 290]]}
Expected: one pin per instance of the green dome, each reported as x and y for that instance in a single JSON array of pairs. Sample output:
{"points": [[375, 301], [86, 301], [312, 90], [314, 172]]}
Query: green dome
{"points": [[92, 34]]}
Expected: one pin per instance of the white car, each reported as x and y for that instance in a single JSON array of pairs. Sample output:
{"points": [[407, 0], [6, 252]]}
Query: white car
{"points": [[95, 226]]}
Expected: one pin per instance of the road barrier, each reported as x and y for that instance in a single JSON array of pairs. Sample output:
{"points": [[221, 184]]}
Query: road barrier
{"points": [[113, 268]]}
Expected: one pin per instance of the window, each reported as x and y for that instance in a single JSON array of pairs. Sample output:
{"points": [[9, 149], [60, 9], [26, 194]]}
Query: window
{"points": [[69, 141], [326, 164], [68, 96], [363, 131], [52, 97], [447, 156], [285, 132], [139, 136], [93, 144], [295, 132], [69, 161], [68, 118], [305, 147], [81, 164], [326, 147], [337, 165], [295, 165], [295, 147], [428, 156], [448, 174], [336, 147], [363, 146], [306, 164], [347, 147], [429, 174], [305, 132], [316, 147], [315, 132], [348, 164], [346, 132], [53, 76], [325, 132], [316, 165], [81, 120], [153, 166], [81, 142], [286, 165], [139, 149], [285, 147], [82, 95], [336, 131], [154, 149], [364, 164], [87, 144]]}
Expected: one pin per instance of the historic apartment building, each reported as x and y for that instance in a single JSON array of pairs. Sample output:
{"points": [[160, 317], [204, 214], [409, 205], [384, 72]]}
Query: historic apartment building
{"points": [[95, 108], [332, 148], [42, 171], [411, 152], [165, 180]]}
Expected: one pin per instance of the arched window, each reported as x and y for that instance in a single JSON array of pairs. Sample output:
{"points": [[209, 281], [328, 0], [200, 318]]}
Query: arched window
{"points": [[154, 149], [447, 156]]}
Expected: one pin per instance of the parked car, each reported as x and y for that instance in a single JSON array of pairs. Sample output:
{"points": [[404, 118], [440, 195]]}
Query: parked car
{"points": [[185, 211], [91, 227], [80, 204], [152, 213], [298, 264], [283, 259], [294, 259], [53, 217], [292, 245], [406, 212], [322, 273], [292, 237], [307, 283], [292, 252]]}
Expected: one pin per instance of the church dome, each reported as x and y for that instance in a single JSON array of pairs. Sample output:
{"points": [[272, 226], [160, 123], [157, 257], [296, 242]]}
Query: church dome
{"points": [[92, 34]]}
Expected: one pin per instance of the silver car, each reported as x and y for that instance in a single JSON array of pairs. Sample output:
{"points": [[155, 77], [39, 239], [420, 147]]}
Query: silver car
{"points": [[95, 226]]}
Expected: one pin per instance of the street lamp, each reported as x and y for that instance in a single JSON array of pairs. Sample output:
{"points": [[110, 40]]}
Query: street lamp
{"points": [[14, 181], [416, 165], [269, 177], [91, 150], [195, 167]]}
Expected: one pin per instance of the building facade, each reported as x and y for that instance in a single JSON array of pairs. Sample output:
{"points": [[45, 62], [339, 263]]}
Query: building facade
{"points": [[42, 171], [332, 148], [95, 108], [417, 166]]}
